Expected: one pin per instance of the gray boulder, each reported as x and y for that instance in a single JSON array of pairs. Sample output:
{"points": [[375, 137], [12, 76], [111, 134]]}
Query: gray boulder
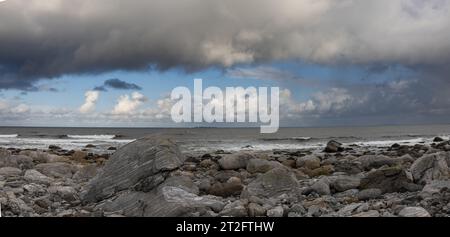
{"points": [[447, 158], [320, 187], [67, 193], [352, 209], [4, 153], [414, 212], [333, 147], [261, 166], [351, 193], [434, 187], [182, 182], [34, 190], [4, 158], [16, 161], [272, 184], [310, 162], [235, 209], [10, 171], [6, 161], [438, 139], [344, 183], [256, 210], [369, 194], [141, 165], [41, 157], [368, 214], [430, 167], [235, 161], [23, 162], [389, 180], [34, 176], [369, 162], [16, 205], [224, 176], [276, 212], [85, 173], [56, 170], [232, 187]]}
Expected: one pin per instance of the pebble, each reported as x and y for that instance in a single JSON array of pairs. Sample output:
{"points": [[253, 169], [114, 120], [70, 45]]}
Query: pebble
{"points": [[276, 212], [372, 213], [256, 210], [414, 212]]}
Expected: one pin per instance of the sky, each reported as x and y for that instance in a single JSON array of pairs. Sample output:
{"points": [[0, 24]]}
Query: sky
{"points": [[109, 63]]}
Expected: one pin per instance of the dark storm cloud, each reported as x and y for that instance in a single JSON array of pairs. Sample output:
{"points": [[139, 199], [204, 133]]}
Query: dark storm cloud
{"points": [[118, 85], [100, 88], [46, 39]]}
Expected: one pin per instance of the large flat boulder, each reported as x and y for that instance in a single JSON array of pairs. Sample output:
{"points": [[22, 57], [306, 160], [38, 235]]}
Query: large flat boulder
{"points": [[140, 166]]}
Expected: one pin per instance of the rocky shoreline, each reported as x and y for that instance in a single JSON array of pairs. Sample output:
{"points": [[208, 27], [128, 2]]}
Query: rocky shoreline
{"points": [[152, 177]]}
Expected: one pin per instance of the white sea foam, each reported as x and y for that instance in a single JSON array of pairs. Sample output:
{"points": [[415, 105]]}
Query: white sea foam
{"points": [[234, 146], [102, 142], [287, 139], [384, 143], [302, 138], [9, 135], [92, 137]]}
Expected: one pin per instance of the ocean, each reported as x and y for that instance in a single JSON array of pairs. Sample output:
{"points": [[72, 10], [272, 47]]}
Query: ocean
{"points": [[228, 139]]}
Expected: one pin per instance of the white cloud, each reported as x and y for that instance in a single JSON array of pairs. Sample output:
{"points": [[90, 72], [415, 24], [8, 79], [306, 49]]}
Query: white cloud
{"points": [[3, 105], [127, 105], [401, 85], [13, 108], [333, 100], [20, 109], [91, 98]]}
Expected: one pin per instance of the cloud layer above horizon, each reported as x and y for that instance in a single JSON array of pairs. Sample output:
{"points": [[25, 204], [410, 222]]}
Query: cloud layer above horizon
{"points": [[48, 39], [365, 62]]}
